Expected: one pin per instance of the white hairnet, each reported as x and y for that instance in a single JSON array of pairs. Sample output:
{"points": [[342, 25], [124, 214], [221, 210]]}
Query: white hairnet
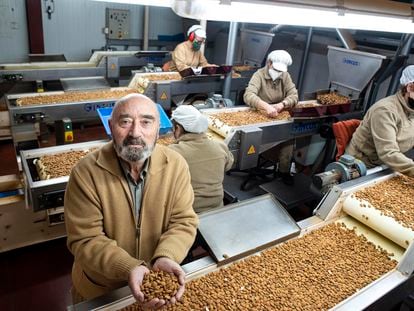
{"points": [[198, 30], [280, 60], [190, 119], [407, 75]]}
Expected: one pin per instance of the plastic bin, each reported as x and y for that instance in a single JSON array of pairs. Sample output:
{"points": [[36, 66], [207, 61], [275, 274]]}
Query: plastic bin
{"points": [[309, 111], [105, 114], [5, 194], [224, 69], [209, 70]]}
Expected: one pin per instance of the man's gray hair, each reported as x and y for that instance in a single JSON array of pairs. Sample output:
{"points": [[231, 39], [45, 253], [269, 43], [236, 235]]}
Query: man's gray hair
{"points": [[128, 98]]}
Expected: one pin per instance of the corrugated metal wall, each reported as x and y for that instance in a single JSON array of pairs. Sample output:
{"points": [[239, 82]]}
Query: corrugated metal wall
{"points": [[75, 27]]}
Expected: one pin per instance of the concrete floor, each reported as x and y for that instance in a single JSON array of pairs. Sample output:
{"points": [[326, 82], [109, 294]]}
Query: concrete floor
{"points": [[38, 277]]}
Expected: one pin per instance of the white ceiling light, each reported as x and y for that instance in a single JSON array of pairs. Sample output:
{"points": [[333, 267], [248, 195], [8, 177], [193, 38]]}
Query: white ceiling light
{"points": [[161, 3], [278, 12]]}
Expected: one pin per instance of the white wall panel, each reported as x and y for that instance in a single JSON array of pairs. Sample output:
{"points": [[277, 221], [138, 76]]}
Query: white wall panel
{"points": [[14, 44], [163, 21], [75, 28]]}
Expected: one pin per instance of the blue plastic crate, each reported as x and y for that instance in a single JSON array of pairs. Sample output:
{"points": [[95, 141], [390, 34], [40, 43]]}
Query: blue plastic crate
{"points": [[105, 114], [9, 193]]}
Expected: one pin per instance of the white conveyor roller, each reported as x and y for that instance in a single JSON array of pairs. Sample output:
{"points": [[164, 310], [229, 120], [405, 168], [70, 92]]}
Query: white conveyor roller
{"points": [[375, 219]]}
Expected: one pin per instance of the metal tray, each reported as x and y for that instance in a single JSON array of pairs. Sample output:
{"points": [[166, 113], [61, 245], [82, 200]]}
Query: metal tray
{"points": [[246, 227]]}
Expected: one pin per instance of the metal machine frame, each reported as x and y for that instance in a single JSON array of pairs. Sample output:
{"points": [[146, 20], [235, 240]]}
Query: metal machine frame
{"points": [[102, 63], [327, 212], [47, 194], [239, 139]]}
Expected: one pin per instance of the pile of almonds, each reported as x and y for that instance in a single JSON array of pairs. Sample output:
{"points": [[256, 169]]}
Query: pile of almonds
{"points": [[246, 117], [307, 105], [58, 165], [159, 284], [314, 272], [163, 76], [393, 197], [241, 68], [73, 97], [166, 140], [332, 99]]}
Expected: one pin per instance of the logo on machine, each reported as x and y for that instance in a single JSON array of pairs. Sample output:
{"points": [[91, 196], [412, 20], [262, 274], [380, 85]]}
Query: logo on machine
{"points": [[94, 107], [300, 128], [349, 61]]}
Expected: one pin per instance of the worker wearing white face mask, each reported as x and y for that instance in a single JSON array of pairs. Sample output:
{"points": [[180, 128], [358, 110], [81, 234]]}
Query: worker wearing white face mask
{"points": [[188, 54], [271, 89], [387, 130]]}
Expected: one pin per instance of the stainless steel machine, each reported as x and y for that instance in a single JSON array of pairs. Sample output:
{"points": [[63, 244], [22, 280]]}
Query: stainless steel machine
{"points": [[246, 142], [168, 93], [45, 194], [111, 65], [26, 120], [350, 75], [236, 235], [350, 71]]}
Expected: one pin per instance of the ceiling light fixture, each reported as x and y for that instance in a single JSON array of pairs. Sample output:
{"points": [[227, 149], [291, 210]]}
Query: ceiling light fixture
{"points": [[160, 3], [348, 15]]}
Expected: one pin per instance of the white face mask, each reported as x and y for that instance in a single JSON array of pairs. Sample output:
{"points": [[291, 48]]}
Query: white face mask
{"points": [[411, 100], [274, 74], [410, 91]]}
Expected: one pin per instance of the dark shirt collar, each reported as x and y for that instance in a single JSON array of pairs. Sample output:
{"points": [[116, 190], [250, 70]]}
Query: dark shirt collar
{"points": [[127, 171]]}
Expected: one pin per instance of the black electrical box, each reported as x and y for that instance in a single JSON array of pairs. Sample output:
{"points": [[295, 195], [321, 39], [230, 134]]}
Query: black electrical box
{"points": [[64, 132]]}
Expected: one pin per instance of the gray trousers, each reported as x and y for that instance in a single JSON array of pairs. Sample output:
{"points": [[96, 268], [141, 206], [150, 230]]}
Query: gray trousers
{"points": [[282, 154]]}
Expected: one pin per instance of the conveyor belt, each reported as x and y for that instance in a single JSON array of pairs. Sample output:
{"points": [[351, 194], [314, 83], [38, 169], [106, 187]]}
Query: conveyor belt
{"points": [[340, 207], [247, 141]]}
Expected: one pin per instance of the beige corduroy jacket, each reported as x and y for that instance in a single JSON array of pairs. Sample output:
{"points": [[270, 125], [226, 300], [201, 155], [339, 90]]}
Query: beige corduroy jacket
{"points": [[103, 233], [208, 160], [184, 57], [262, 87], [385, 133]]}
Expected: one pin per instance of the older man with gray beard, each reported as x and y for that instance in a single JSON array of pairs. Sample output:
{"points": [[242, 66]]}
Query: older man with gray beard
{"points": [[128, 208]]}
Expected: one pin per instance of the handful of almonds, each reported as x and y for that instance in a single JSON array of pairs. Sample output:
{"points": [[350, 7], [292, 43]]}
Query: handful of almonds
{"points": [[159, 284]]}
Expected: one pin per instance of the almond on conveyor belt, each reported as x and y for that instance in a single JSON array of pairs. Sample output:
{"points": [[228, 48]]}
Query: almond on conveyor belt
{"points": [[332, 99], [246, 117], [162, 77], [314, 272], [393, 197], [58, 165], [70, 97]]}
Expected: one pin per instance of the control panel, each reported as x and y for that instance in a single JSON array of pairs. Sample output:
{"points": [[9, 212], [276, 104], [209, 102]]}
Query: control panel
{"points": [[29, 117], [50, 199], [117, 23], [12, 77]]}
